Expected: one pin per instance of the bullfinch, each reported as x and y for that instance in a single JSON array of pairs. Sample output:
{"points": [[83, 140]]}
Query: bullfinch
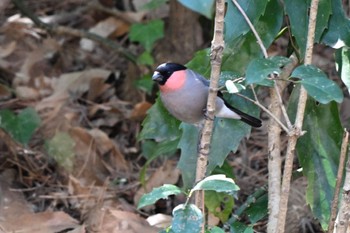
{"points": [[184, 94]]}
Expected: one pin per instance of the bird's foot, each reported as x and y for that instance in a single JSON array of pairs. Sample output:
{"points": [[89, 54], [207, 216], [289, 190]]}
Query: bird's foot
{"points": [[206, 116]]}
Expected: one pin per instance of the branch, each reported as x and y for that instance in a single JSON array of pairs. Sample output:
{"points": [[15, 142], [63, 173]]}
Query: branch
{"points": [[217, 48], [288, 167], [72, 32], [344, 147]]}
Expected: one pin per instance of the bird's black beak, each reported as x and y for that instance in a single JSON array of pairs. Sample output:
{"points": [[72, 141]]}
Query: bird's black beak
{"points": [[157, 77]]}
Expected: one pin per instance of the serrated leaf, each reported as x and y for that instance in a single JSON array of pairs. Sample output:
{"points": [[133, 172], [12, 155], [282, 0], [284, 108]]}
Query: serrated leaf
{"points": [[186, 219], [147, 34], [22, 126], [159, 124], [235, 24], [259, 69], [61, 149], [204, 7], [317, 84], [337, 35], [318, 153], [218, 183], [158, 193]]}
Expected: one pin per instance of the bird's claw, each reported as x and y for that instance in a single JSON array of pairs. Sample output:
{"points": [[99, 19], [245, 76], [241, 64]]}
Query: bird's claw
{"points": [[206, 116]]}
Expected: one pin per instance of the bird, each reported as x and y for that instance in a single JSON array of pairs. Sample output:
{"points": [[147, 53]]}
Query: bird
{"points": [[184, 94]]}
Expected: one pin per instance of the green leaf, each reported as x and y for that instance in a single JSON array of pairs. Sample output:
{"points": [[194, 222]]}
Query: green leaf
{"points": [[258, 210], [145, 83], [235, 24], [158, 193], [188, 160], [238, 227], [153, 4], [218, 183], [317, 84], [343, 62], [145, 58], [219, 204], [240, 51], [22, 126], [201, 62], [337, 35], [323, 14], [61, 149], [204, 7], [159, 124], [186, 219], [259, 69], [147, 34], [216, 230], [318, 151], [297, 11]]}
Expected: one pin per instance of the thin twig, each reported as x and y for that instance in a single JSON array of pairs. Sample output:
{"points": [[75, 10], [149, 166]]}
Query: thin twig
{"points": [[334, 208], [73, 32], [217, 48], [288, 167]]}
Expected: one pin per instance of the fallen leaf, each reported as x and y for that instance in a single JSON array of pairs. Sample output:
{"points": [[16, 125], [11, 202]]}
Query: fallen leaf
{"points": [[8, 49]]}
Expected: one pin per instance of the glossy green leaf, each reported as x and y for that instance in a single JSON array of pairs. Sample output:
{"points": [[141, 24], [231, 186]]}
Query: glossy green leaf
{"points": [[257, 210], [343, 61], [338, 33], [317, 84], [188, 160], [259, 69], [162, 192], [297, 11], [238, 227], [235, 24], [220, 204], [159, 124], [240, 51], [204, 7], [21, 126], [218, 183], [61, 149], [147, 34], [318, 151], [323, 14], [186, 219]]}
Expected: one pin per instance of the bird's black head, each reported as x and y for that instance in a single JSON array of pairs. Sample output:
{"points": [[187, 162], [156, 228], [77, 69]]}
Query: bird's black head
{"points": [[164, 71]]}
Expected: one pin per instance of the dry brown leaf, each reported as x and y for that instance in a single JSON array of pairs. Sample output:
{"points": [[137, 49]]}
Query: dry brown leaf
{"points": [[97, 88], [166, 174], [160, 220], [114, 159], [88, 165], [27, 93], [8, 49], [140, 110], [104, 28], [5, 92], [106, 220]]}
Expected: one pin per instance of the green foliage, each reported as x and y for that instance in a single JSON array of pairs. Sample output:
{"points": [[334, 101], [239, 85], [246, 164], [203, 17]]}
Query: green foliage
{"points": [[153, 4], [219, 204], [204, 7], [343, 61], [21, 126], [318, 152], [186, 219], [158, 193], [317, 84], [337, 34], [147, 34], [145, 83], [61, 149]]}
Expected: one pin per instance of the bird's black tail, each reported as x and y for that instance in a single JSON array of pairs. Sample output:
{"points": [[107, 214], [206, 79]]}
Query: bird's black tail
{"points": [[250, 120]]}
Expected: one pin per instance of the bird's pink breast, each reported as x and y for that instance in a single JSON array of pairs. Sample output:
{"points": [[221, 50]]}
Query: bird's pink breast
{"points": [[174, 82]]}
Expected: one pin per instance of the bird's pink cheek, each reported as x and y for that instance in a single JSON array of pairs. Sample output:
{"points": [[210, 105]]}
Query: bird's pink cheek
{"points": [[175, 81]]}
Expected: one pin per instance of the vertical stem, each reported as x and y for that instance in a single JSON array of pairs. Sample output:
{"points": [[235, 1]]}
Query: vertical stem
{"points": [[205, 139], [288, 168]]}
